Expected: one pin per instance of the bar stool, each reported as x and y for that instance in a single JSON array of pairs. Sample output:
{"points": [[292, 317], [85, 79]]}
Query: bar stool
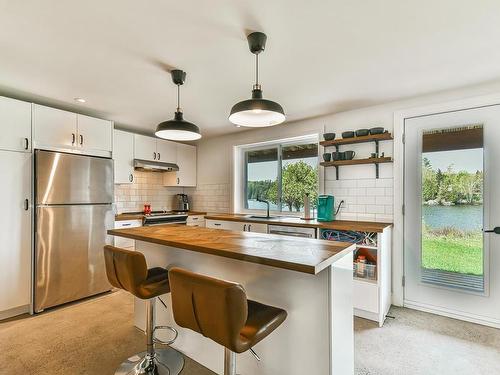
{"points": [[220, 310], [128, 270]]}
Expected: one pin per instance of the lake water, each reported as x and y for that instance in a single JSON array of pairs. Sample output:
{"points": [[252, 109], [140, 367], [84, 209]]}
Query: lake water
{"points": [[460, 217]]}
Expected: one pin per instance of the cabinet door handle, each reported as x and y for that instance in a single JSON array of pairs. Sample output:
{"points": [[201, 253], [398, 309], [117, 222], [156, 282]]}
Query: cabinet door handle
{"points": [[81, 139], [159, 156], [244, 228], [131, 178], [178, 181], [217, 224], [126, 225], [249, 227], [26, 143], [495, 230], [154, 155], [73, 138], [26, 205]]}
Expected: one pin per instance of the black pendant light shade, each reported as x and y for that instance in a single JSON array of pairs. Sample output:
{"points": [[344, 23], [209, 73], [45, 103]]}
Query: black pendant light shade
{"points": [[178, 129], [257, 112]]}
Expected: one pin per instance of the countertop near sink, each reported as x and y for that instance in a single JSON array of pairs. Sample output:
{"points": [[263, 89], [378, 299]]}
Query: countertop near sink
{"points": [[358, 226], [139, 216]]}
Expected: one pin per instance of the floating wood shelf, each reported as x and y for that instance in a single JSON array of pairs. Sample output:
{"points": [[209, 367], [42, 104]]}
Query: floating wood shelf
{"points": [[353, 140], [339, 163], [350, 141]]}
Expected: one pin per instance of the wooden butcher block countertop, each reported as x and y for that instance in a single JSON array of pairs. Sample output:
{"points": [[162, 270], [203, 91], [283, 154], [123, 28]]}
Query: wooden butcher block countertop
{"points": [[297, 254], [357, 226]]}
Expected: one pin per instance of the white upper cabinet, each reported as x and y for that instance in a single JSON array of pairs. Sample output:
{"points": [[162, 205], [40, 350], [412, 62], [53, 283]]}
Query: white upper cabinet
{"points": [[123, 156], [150, 148], [15, 122], [165, 151], [186, 160], [53, 128], [95, 135], [144, 147]]}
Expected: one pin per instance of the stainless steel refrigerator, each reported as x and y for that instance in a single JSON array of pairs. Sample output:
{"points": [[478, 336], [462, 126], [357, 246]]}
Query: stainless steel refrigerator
{"points": [[73, 197]]}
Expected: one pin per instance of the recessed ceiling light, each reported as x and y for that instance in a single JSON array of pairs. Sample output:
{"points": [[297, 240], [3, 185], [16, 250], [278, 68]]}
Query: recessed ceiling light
{"points": [[80, 100]]}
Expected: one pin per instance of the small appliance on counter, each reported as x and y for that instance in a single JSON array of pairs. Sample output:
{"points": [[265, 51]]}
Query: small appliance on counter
{"points": [[325, 208], [181, 203]]}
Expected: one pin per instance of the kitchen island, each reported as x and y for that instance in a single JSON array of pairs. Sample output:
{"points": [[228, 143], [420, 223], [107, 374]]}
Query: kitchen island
{"points": [[311, 279]]}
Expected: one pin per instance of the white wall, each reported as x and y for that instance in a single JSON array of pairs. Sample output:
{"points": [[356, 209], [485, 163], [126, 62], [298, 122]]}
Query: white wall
{"points": [[366, 197]]}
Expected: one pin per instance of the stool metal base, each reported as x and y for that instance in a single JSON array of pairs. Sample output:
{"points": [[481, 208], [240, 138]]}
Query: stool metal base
{"points": [[166, 361]]}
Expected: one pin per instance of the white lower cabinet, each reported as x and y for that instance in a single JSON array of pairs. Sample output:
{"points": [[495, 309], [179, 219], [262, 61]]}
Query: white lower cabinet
{"points": [[126, 243], [237, 226], [195, 221], [15, 233]]}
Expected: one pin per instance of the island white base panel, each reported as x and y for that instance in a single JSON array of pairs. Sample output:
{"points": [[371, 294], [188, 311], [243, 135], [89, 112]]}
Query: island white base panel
{"points": [[316, 338]]}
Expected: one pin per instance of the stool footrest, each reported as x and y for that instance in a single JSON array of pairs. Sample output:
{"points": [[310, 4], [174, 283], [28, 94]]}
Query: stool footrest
{"points": [[169, 342]]}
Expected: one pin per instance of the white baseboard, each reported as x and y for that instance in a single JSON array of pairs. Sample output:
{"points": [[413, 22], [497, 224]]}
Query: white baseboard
{"points": [[6, 314], [482, 320]]}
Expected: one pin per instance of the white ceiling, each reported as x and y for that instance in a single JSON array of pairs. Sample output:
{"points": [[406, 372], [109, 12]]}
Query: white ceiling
{"points": [[322, 56]]}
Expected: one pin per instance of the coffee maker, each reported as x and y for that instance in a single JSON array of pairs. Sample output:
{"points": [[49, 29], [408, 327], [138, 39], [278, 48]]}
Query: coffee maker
{"points": [[181, 202]]}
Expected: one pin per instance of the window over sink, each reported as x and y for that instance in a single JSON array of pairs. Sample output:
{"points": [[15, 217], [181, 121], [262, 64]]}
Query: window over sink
{"points": [[281, 173]]}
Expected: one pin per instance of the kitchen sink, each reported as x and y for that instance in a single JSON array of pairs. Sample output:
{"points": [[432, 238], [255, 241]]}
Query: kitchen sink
{"points": [[261, 217]]}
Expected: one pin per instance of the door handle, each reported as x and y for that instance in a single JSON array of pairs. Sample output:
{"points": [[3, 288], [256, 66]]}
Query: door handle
{"points": [[495, 230], [73, 138], [26, 143], [26, 205], [154, 155], [81, 139]]}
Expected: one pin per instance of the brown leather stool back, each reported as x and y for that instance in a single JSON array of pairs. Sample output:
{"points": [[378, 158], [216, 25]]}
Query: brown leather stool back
{"points": [[128, 270], [215, 308]]}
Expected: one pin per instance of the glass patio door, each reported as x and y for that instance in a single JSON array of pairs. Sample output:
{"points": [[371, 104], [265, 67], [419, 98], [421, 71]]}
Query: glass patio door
{"points": [[452, 194]]}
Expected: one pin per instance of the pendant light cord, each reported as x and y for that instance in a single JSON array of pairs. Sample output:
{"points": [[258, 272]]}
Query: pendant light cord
{"points": [[257, 70], [178, 98]]}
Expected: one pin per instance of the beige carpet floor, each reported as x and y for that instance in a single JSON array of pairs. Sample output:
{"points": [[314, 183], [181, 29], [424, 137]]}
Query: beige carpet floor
{"points": [[92, 337]]}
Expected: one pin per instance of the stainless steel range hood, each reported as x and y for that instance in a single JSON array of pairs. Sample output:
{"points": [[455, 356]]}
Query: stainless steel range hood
{"points": [[154, 166]]}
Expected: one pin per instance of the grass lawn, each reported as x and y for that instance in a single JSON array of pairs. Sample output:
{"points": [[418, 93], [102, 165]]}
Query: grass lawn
{"points": [[453, 253]]}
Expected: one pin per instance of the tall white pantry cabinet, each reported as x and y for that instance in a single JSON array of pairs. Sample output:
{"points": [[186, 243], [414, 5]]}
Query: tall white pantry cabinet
{"points": [[16, 207]]}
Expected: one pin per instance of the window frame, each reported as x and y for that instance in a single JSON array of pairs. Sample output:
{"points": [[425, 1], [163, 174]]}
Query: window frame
{"points": [[241, 203]]}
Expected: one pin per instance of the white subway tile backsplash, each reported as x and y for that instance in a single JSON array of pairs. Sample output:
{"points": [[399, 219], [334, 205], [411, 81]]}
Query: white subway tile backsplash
{"points": [[375, 191], [366, 200], [348, 183], [357, 192], [383, 200], [384, 182], [384, 218], [389, 192], [366, 183], [366, 217], [375, 209]]}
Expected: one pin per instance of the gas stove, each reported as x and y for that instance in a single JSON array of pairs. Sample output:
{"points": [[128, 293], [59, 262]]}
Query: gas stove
{"points": [[164, 217]]}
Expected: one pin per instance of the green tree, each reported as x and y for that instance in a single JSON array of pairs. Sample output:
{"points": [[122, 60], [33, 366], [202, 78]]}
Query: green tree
{"points": [[297, 180]]}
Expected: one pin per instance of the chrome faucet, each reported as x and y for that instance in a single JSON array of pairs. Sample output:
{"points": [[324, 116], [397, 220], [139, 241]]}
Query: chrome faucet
{"points": [[266, 202]]}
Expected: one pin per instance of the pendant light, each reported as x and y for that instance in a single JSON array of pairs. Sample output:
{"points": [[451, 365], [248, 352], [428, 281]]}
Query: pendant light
{"points": [[257, 112], [178, 129]]}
